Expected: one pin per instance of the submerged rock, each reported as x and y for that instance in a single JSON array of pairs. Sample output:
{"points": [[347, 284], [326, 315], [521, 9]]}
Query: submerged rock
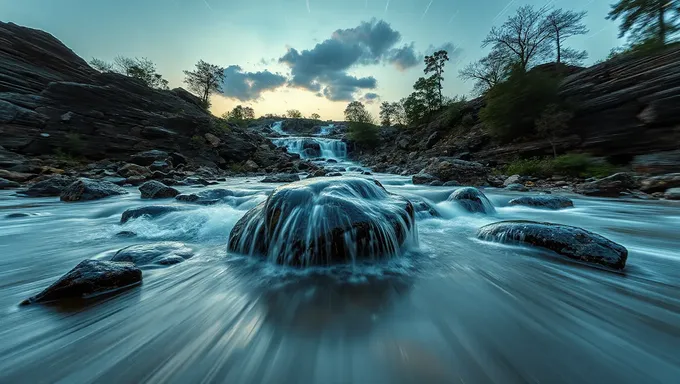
{"points": [[424, 208], [516, 187], [156, 190], [90, 278], [207, 197], [148, 211], [572, 242], [52, 186], [326, 221], [549, 202], [472, 200], [88, 189], [16, 215], [281, 178], [164, 253]]}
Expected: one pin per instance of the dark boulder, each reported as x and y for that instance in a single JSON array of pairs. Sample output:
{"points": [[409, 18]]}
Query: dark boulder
{"points": [[88, 189], [147, 158], [281, 178], [126, 234], [129, 170], [472, 200], [52, 186], [7, 184], [610, 186], [333, 174], [660, 183], [572, 242], [424, 208], [207, 197], [423, 178], [156, 190], [672, 194], [517, 187], [16, 215], [548, 202], [454, 169], [331, 161], [152, 211], [90, 278], [323, 222], [164, 253]]}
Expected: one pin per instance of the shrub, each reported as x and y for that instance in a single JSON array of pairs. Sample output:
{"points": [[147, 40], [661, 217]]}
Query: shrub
{"points": [[582, 165], [363, 134], [513, 106], [74, 144], [530, 167], [468, 120], [197, 141]]}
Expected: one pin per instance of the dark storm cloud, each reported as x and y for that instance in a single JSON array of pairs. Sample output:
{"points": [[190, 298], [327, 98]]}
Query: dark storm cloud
{"points": [[370, 98], [246, 86], [405, 57], [342, 87], [376, 36]]}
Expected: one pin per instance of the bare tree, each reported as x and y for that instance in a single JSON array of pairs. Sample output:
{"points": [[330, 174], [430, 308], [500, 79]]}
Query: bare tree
{"points": [[525, 36], [563, 25], [487, 72]]}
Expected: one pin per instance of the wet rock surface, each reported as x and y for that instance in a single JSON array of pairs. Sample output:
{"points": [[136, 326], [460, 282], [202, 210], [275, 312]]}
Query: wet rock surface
{"points": [[323, 222], [87, 189], [151, 211], [90, 278], [472, 200], [572, 242], [156, 190], [547, 202], [52, 186], [281, 178], [163, 253], [611, 186]]}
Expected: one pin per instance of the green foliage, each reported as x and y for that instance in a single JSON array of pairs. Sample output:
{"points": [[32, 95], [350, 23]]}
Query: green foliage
{"points": [[205, 80], [197, 141], [315, 116], [639, 49], [240, 115], [355, 112], [365, 135], [435, 64], [294, 114], [221, 125], [66, 156], [454, 111], [468, 120], [74, 143], [553, 123], [643, 20], [138, 67], [513, 106], [575, 165]]}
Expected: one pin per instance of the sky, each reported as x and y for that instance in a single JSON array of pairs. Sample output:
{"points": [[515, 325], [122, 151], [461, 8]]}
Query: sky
{"points": [[310, 55]]}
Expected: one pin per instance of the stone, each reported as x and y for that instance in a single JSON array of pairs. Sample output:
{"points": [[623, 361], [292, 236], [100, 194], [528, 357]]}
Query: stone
{"points": [[323, 222], [164, 253], [454, 169], [424, 208], [129, 170], [115, 180], [207, 197], [333, 174], [281, 178], [7, 184], [135, 180], [16, 215], [436, 183], [572, 242], [657, 163], [126, 234], [87, 189], [610, 186], [672, 194], [451, 183], [52, 186], [472, 200], [154, 189], [151, 211], [516, 187], [331, 161], [251, 166], [160, 166], [18, 177], [212, 139], [660, 183], [514, 179], [403, 144], [90, 278], [432, 140], [548, 202], [147, 158], [423, 178]]}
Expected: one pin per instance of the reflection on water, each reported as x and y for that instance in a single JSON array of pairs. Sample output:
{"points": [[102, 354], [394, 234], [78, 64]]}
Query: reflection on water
{"points": [[455, 310]]}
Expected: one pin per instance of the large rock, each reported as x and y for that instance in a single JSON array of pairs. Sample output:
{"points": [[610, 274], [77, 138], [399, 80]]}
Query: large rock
{"points": [[164, 253], [207, 197], [151, 211], [156, 190], [130, 170], [660, 183], [514, 179], [472, 200], [52, 186], [88, 189], [466, 172], [18, 177], [548, 202], [90, 278], [423, 178], [147, 158], [7, 184], [672, 194], [572, 242], [281, 178], [322, 222], [610, 186], [657, 163]]}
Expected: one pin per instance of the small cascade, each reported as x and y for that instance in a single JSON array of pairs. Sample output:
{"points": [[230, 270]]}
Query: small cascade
{"points": [[313, 147], [326, 130], [276, 127]]}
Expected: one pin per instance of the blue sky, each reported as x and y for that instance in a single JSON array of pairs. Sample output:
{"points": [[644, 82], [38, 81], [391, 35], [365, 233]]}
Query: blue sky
{"points": [[255, 34]]}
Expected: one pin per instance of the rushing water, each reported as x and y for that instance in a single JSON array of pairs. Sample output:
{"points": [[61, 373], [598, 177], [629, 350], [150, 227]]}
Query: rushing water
{"points": [[451, 310], [329, 148], [276, 127]]}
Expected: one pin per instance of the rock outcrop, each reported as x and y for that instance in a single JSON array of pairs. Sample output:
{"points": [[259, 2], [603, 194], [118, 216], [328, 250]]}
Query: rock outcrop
{"points": [[87, 189], [472, 200]]}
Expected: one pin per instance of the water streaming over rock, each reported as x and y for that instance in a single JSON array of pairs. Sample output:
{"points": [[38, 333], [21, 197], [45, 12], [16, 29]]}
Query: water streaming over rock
{"points": [[326, 130], [312, 147], [276, 127]]}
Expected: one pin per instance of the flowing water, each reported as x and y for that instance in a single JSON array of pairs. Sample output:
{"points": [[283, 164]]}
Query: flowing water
{"points": [[329, 148], [450, 310]]}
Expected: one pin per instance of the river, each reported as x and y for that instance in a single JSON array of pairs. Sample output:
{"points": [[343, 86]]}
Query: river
{"points": [[451, 310]]}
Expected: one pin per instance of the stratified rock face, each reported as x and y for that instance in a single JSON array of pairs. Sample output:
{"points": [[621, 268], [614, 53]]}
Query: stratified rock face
{"points": [[572, 242], [323, 222], [657, 163], [164, 253], [610, 186], [156, 190], [87, 189], [50, 100], [90, 278], [472, 200], [547, 202]]}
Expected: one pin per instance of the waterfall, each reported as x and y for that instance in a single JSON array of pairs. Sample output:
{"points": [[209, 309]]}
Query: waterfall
{"points": [[312, 147], [276, 127], [326, 130]]}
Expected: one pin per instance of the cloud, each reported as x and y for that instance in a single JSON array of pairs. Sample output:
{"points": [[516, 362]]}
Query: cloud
{"points": [[247, 86], [377, 36], [449, 47], [370, 98], [341, 86], [405, 57]]}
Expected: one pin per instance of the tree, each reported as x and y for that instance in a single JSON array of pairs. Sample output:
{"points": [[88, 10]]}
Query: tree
{"points": [[427, 90], [523, 38], [315, 116], [435, 64], [205, 80], [487, 72], [388, 113], [361, 128], [240, 115], [139, 68], [563, 25], [294, 114], [553, 123], [356, 112], [646, 19], [399, 116]]}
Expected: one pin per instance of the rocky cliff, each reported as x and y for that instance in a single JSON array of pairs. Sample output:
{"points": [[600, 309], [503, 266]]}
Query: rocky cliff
{"points": [[52, 102], [626, 109]]}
